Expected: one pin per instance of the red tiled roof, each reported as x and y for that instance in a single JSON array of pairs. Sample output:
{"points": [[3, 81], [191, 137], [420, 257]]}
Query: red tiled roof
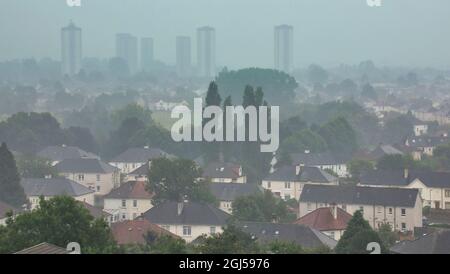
{"points": [[133, 232], [322, 219], [130, 190]]}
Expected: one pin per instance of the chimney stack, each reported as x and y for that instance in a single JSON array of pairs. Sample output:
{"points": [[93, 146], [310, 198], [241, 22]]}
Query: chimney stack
{"points": [[405, 173], [180, 208], [334, 211], [299, 169]]}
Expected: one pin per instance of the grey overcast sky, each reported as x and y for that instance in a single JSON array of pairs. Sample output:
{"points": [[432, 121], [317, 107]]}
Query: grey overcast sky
{"points": [[327, 32]]}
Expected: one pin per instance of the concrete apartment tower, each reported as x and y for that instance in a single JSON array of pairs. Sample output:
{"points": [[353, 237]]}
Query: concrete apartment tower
{"points": [[71, 49], [183, 56], [147, 57], [284, 48], [127, 49], [206, 52]]}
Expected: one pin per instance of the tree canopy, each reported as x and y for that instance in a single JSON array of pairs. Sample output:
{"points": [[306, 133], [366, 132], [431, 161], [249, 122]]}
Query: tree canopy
{"points": [[11, 191]]}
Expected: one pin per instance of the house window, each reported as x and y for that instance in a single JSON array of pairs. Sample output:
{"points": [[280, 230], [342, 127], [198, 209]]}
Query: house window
{"points": [[186, 230], [98, 177], [212, 230], [80, 177], [447, 193], [98, 188], [332, 234], [308, 206], [390, 210], [287, 197], [403, 226], [361, 208], [379, 209], [135, 203], [124, 216], [124, 203], [287, 185], [403, 212], [269, 185]]}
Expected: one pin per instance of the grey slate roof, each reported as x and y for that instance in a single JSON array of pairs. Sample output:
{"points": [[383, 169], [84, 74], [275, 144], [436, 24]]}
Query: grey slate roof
{"points": [[307, 174], [305, 236], [316, 159], [59, 153], [139, 155], [141, 171], [383, 196], [427, 141], [84, 165], [437, 242], [44, 248], [221, 170], [53, 187], [231, 191], [383, 150], [397, 178], [192, 214]]}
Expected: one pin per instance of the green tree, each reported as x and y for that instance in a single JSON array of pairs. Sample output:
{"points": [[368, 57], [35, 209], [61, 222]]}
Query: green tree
{"points": [[357, 167], [35, 167], [212, 149], [357, 236], [176, 179], [58, 221], [317, 75], [11, 192], [232, 240], [264, 207], [340, 136], [132, 110], [387, 236]]}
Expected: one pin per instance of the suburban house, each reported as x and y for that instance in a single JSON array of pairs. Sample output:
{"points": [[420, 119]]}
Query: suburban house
{"points": [[137, 231], [324, 161], [58, 153], [128, 201], [287, 182], [304, 236], [425, 145], [436, 242], [332, 221], [139, 174], [133, 158], [226, 193], [434, 187], [188, 220], [92, 173], [218, 172], [401, 208], [420, 129], [4, 209], [49, 188]]}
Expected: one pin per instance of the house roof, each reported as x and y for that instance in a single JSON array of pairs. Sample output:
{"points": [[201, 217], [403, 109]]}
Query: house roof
{"points": [[192, 213], [130, 190], [438, 216], [307, 174], [84, 165], [44, 248], [139, 155], [221, 170], [317, 159], [383, 150], [305, 236], [5, 208], [231, 191], [385, 196], [397, 178], [437, 242], [141, 171], [59, 153], [322, 219], [96, 212], [427, 141], [134, 231], [53, 187]]}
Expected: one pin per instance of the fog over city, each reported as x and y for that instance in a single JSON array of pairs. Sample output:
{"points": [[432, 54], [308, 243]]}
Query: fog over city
{"points": [[399, 33]]}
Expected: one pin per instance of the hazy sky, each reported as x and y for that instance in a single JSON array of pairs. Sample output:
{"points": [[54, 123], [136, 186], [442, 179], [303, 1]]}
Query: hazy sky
{"points": [[327, 32]]}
